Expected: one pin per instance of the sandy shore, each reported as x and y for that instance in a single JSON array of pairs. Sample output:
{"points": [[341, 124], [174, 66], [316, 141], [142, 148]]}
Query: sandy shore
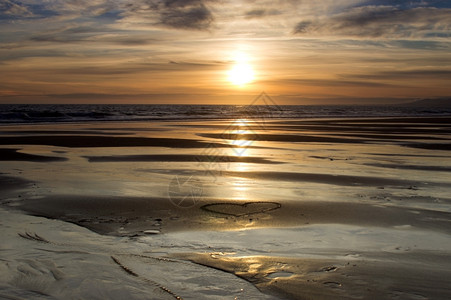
{"points": [[314, 209]]}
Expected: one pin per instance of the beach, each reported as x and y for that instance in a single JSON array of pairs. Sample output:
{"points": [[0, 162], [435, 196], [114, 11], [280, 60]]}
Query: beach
{"points": [[326, 208]]}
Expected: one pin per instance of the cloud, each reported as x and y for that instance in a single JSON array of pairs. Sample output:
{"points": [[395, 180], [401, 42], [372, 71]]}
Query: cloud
{"points": [[176, 14], [180, 3], [381, 22], [328, 83], [70, 33], [260, 13], [82, 7], [303, 27], [435, 74], [187, 17], [106, 69], [13, 9], [52, 39], [88, 34]]}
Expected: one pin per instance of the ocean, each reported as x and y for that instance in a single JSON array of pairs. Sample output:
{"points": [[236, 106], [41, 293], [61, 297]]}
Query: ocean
{"points": [[64, 113]]}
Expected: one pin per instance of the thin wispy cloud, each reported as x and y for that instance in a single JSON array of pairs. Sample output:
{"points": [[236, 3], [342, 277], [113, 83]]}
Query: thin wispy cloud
{"points": [[14, 10], [262, 12], [330, 83], [381, 22], [436, 74]]}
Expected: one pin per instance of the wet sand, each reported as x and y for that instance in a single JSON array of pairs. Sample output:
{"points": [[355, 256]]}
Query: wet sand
{"points": [[314, 209], [125, 216]]}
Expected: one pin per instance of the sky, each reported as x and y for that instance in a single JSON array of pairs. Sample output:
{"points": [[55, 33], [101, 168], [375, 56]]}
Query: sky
{"points": [[224, 52]]}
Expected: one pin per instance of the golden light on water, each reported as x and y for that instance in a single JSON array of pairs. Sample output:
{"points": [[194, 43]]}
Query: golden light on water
{"points": [[239, 130]]}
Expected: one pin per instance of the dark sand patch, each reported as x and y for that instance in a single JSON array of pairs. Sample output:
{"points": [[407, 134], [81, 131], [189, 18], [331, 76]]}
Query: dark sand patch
{"points": [[180, 158], [357, 130], [406, 120], [360, 127], [281, 138], [340, 180], [390, 136], [59, 132], [407, 155], [11, 188], [343, 180], [445, 147], [411, 167], [13, 155], [104, 141], [132, 129], [10, 183]]}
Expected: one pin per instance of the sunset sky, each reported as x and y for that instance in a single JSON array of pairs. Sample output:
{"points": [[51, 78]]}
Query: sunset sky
{"points": [[224, 52]]}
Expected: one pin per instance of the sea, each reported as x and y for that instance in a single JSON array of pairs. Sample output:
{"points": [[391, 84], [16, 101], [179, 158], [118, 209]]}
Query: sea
{"points": [[66, 113]]}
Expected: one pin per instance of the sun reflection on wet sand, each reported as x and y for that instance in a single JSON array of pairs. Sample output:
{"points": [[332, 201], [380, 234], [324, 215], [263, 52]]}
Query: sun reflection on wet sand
{"points": [[235, 134], [237, 130], [240, 190]]}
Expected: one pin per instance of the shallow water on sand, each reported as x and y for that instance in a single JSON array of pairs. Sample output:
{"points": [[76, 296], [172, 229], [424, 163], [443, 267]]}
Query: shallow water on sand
{"points": [[227, 208]]}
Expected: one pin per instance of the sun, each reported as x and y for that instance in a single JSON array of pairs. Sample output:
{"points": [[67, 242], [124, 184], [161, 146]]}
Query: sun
{"points": [[241, 73]]}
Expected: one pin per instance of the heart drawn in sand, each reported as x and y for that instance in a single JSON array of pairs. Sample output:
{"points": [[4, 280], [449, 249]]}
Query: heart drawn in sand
{"points": [[241, 209]]}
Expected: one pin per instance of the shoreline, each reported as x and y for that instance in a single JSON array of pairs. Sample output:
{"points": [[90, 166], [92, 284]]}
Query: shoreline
{"points": [[395, 118]]}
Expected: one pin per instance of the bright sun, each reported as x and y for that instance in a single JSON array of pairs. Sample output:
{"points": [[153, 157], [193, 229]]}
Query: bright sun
{"points": [[241, 73]]}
